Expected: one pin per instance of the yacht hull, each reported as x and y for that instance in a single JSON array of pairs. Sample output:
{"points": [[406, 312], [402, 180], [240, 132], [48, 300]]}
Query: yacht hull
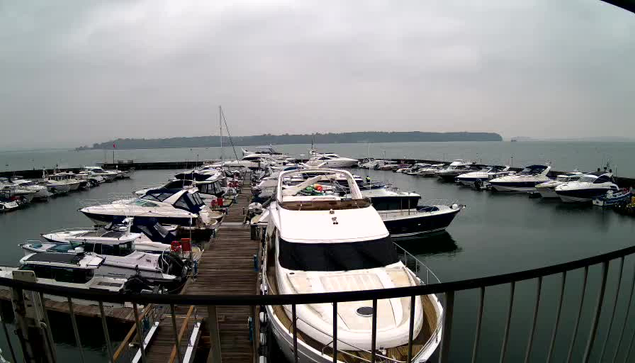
{"points": [[517, 187], [580, 195], [104, 219], [406, 223]]}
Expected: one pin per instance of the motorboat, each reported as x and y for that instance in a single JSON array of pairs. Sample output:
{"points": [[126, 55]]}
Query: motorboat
{"points": [[613, 198], [8, 205], [548, 188], [121, 260], [66, 178], [40, 192], [586, 188], [108, 175], [479, 177], [56, 187], [523, 181], [92, 179], [318, 243], [11, 191], [146, 235], [430, 171], [330, 160], [404, 217], [414, 169], [456, 168], [183, 207], [205, 172], [72, 270]]}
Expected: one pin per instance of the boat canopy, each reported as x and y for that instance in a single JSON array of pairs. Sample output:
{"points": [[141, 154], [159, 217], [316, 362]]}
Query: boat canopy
{"points": [[338, 256], [533, 169]]}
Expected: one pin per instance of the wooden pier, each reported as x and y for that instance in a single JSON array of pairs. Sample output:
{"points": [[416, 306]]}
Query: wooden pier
{"points": [[225, 268]]}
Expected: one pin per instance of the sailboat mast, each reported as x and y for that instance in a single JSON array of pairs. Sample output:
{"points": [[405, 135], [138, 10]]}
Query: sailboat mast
{"points": [[220, 124]]}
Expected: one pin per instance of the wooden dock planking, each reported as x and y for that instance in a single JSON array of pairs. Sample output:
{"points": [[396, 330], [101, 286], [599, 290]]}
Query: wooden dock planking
{"points": [[225, 268]]}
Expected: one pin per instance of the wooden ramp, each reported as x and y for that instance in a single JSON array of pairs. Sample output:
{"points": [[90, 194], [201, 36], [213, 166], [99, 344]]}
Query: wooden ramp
{"points": [[225, 268]]}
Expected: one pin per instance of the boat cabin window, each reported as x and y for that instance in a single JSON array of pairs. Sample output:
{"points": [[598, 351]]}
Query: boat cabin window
{"points": [[61, 274], [339, 256], [588, 179], [144, 203], [603, 179], [159, 196]]}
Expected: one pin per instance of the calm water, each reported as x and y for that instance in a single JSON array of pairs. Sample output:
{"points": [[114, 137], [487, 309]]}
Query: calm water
{"points": [[495, 234], [562, 155]]}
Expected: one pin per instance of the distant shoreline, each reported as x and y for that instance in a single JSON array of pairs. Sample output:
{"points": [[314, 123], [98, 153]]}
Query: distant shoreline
{"points": [[268, 139]]}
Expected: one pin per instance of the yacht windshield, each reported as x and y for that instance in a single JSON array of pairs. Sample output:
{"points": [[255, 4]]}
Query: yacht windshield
{"points": [[341, 256], [588, 179]]}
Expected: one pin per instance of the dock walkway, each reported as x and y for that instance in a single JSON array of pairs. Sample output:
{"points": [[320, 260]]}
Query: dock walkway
{"points": [[226, 268]]}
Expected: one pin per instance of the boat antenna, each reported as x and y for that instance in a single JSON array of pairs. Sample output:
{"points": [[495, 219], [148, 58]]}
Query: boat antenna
{"points": [[227, 128], [220, 124]]}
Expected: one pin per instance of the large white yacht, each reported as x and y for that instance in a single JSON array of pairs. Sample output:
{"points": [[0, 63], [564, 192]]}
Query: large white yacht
{"points": [[548, 188], [524, 181], [322, 242], [586, 188], [330, 160], [456, 168], [484, 175], [181, 207], [40, 191]]}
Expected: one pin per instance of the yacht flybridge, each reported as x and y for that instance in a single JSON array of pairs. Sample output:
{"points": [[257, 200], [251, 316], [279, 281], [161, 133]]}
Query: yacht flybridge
{"points": [[320, 241]]}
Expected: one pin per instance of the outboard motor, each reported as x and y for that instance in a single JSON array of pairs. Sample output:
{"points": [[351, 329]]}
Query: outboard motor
{"points": [[136, 284]]}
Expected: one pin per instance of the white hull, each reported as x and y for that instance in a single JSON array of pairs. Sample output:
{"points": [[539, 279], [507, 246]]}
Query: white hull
{"points": [[501, 188]]}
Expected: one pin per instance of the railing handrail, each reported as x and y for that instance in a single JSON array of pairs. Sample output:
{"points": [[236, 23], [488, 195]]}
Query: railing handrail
{"points": [[318, 298]]}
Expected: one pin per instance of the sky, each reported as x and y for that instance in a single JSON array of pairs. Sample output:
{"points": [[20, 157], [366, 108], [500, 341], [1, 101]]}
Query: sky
{"points": [[78, 72]]}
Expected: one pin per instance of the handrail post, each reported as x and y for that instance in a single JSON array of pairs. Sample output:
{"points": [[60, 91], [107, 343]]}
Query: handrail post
{"points": [[104, 326], [598, 311], [139, 332], [447, 327], [294, 324], [509, 320], [373, 342], [477, 337], [411, 326], [214, 333], [177, 343], [78, 341], [335, 316]]}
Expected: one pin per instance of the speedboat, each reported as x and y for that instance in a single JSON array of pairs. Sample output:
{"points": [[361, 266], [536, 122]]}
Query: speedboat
{"points": [[13, 192], [479, 177], [586, 188], [183, 207], [414, 170], [456, 168], [40, 192], [430, 170], [121, 260], [8, 205], [319, 243], [330, 160], [108, 175], [72, 270], [614, 198], [548, 188], [523, 181], [404, 217], [146, 235]]}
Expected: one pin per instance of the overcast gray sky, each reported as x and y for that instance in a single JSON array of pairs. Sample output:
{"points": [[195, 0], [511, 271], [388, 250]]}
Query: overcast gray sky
{"points": [[77, 72]]}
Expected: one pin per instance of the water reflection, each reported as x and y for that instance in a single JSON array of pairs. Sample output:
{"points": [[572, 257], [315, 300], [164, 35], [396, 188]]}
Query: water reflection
{"points": [[435, 244]]}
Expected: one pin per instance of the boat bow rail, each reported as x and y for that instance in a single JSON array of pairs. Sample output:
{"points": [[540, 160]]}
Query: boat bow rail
{"points": [[446, 289]]}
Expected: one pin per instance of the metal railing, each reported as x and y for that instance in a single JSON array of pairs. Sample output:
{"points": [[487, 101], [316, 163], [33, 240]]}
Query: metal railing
{"points": [[447, 289]]}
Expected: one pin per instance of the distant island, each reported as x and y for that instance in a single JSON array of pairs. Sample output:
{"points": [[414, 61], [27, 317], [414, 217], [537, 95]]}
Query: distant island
{"points": [[269, 139]]}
